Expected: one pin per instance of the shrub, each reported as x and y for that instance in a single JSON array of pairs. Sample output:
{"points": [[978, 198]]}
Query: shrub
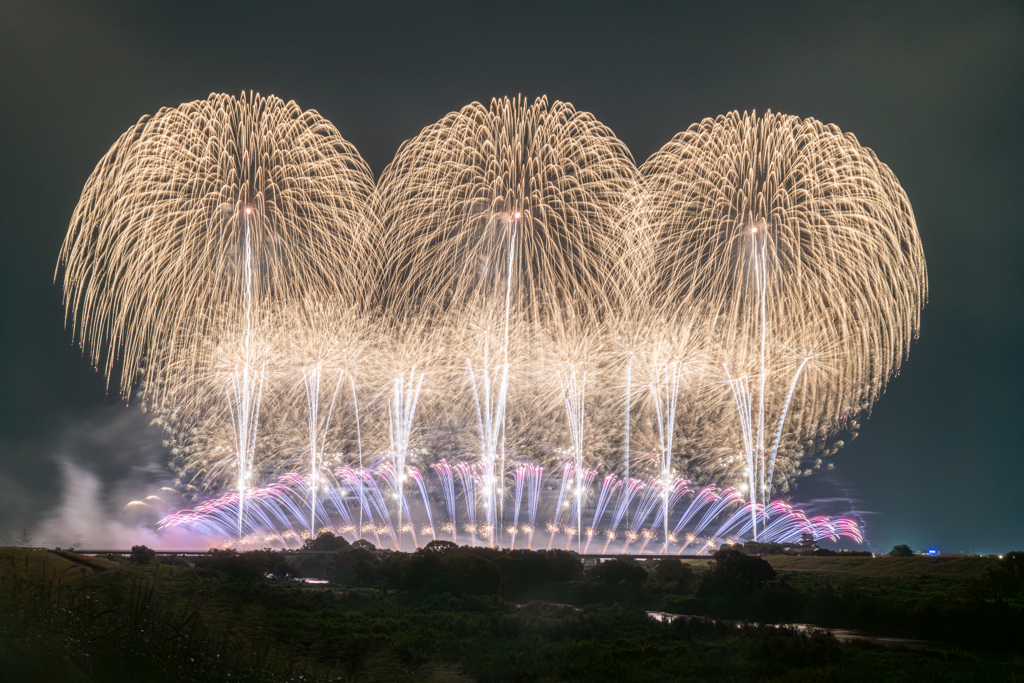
{"points": [[901, 551], [173, 561], [1005, 580], [443, 568], [250, 565], [141, 555]]}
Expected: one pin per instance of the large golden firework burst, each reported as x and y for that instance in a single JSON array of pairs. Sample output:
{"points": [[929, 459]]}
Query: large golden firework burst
{"points": [[457, 193], [736, 302], [153, 260], [794, 253]]}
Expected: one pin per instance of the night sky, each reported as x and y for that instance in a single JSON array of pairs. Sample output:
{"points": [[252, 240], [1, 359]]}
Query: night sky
{"points": [[935, 89]]}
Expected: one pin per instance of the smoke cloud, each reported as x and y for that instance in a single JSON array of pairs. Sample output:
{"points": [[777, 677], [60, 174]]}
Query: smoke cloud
{"points": [[100, 481]]}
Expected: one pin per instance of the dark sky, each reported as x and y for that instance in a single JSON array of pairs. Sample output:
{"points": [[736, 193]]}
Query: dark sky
{"points": [[936, 89]]}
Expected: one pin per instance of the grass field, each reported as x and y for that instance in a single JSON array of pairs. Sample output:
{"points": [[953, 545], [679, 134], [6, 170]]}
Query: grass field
{"points": [[939, 568], [40, 565]]}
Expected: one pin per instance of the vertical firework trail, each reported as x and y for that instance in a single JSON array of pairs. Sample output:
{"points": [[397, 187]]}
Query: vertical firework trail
{"points": [[629, 400], [468, 479], [311, 382], [243, 405], [752, 423], [446, 477], [534, 475], [504, 373], [574, 388], [666, 395], [359, 444], [401, 411], [491, 412]]}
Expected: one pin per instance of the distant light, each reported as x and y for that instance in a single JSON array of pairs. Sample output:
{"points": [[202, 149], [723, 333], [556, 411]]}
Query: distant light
{"points": [[933, 551]]}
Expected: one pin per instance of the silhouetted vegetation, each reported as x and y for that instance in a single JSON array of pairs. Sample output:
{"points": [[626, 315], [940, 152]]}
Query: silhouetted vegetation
{"points": [[618, 572], [672, 574], [141, 555], [825, 552], [325, 540], [754, 548], [250, 565], [1005, 581], [735, 574], [901, 551], [443, 614]]}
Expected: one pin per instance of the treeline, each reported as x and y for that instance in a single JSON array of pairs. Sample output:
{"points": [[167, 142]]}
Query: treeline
{"points": [[756, 548], [988, 612], [439, 614]]}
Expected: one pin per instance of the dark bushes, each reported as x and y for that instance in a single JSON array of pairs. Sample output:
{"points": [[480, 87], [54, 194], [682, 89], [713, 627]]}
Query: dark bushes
{"points": [[355, 566], [141, 555], [458, 573], [250, 565], [319, 566], [618, 573], [735, 574], [444, 567], [1005, 581], [672, 574], [525, 571], [754, 548]]}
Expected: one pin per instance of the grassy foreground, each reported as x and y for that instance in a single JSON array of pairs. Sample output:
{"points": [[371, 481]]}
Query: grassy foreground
{"points": [[62, 621]]}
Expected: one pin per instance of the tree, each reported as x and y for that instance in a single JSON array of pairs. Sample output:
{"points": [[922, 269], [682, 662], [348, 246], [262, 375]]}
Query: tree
{"points": [[562, 565], [752, 548], [141, 555], [466, 573], [673, 573], [901, 551], [735, 574], [442, 547], [356, 565], [325, 540], [619, 573]]}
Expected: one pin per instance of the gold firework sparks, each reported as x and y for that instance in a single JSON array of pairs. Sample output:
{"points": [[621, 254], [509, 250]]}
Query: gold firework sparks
{"points": [[513, 286]]}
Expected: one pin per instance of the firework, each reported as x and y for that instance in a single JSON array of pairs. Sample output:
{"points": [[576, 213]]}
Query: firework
{"points": [[197, 222], [793, 253], [513, 296], [502, 224]]}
